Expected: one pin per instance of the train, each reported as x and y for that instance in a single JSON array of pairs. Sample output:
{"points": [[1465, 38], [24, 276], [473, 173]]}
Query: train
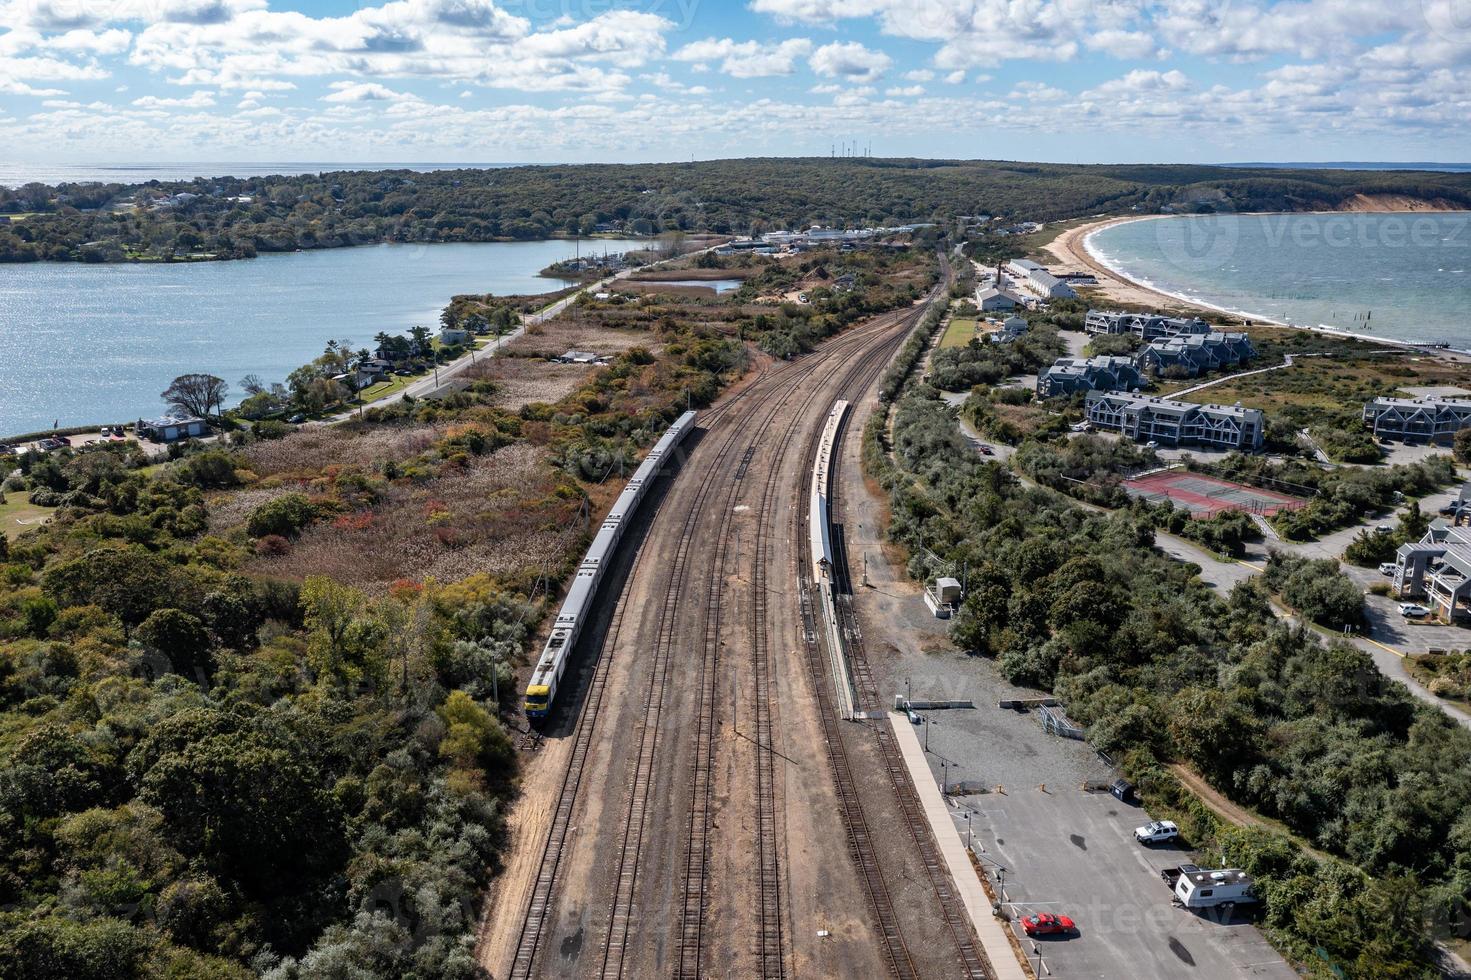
{"points": [[541, 689], [819, 521]]}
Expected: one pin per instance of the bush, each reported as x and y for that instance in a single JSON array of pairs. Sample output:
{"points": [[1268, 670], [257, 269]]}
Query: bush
{"points": [[284, 516], [270, 429], [1316, 588]]}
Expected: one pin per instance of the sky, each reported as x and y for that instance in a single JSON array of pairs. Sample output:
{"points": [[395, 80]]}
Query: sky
{"points": [[92, 81]]}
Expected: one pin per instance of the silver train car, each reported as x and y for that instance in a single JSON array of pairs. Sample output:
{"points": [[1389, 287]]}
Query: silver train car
{"points": [[541, 689], [818, 526]]}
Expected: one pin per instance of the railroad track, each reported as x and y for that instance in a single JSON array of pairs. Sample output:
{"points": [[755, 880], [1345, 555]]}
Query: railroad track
{"points": [[743, 408], [957, 920], [850, 803], [770, 950]]}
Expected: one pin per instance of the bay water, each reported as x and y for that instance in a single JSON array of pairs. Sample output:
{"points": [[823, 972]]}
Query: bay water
{"points": [[1403, 276], [82, 344]]}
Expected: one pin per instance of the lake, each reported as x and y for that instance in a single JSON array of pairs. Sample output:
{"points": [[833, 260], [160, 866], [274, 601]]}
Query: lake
{"points": [[97, 343], [1400, 276]]}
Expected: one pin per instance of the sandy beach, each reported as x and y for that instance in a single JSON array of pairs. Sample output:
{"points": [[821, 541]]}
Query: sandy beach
{"points": [[1072, 255]]}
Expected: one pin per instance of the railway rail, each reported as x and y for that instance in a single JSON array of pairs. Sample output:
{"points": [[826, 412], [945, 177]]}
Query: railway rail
{"points": [[763, 397]]}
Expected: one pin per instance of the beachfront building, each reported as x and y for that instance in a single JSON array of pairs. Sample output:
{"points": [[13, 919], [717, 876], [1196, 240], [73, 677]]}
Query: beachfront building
{"points": [[1418, 419], [1437, 569], [1145, 418], [1145, 326], [1102, 373], [1038, 281], [1191, 355], [171, 428], [993, 300]]}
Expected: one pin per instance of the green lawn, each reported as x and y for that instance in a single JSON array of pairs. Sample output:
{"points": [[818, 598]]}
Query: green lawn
{"points": [[18, 514], [960, 332]]}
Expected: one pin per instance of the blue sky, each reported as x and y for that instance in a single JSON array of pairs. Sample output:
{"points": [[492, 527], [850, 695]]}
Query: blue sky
{"points": [[87, 81]]}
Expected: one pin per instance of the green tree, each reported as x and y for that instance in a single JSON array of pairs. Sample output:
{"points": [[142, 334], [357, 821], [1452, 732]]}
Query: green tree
{"points": [[1461, 446], [344, 643], [180, 637], [128, 582], [257, 811]]}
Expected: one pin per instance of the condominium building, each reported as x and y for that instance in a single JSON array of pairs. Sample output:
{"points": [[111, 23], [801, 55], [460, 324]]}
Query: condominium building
{"points": [[1418, 419], [1145, 418], [1194, 354], [1437, 569], [1103, 373], [1145, 326]]}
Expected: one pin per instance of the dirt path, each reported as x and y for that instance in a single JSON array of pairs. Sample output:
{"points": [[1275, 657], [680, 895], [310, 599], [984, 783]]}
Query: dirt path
{"points": [[1232, 813]]}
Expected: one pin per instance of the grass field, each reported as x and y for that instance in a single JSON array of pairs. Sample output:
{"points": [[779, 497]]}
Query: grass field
{"points": [[18, 514], [960, 332]]}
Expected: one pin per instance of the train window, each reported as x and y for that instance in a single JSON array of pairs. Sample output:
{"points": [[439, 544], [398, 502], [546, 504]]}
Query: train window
{"points": [[556, 641]]}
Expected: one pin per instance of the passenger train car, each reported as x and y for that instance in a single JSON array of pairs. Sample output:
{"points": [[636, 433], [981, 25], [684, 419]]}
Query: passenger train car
{"points": [[542, 688]]}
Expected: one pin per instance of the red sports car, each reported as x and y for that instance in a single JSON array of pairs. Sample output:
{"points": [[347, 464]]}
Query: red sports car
{"points": [[1047, 924]]}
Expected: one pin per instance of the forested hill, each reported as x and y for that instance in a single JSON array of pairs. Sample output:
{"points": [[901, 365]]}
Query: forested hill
{"points": [[236, 218]]}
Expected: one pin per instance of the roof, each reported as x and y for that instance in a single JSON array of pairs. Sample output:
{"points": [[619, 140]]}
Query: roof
{"points": [[1223, 876], [1157, 405], [168, 420], [1427, 402]]}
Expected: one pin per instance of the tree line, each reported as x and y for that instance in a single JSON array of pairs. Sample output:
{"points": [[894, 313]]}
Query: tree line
{"points": [[228, 217]]}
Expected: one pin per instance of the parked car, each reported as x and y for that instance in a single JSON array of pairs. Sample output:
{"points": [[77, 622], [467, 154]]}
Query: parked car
{"points": [[1413, 610], [987, 451], [64, 440], [1151, 444], [1387, 567], [1383, 529], [1047, 924], [1159, 832], [105, 432], [297, 419]]}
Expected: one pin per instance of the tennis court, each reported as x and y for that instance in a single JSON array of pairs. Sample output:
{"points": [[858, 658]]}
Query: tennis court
{"points": [[1206, 496]]}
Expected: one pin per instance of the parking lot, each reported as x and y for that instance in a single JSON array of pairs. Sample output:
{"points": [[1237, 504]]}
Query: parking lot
{"points": [[1066, 850]]}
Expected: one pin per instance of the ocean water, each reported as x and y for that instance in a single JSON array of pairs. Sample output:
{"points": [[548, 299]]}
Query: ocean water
{"points": [[1400, 276], [17, 174], [98, 343]]}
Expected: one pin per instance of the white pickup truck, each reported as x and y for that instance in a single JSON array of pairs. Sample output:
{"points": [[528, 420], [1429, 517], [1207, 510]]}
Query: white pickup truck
{"points": [[1159, 832]]}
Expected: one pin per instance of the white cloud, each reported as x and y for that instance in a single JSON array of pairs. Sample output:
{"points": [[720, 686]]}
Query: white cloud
{"points": [[11, 86], [747, 59], [920, 75], [365, 92], [907, 91], [956, 77], [849, 59], [199, 100], [1122, 44]]}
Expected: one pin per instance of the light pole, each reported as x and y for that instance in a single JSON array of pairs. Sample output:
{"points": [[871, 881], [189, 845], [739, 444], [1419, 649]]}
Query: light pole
{"points": [[967, 831], [944, 776]]}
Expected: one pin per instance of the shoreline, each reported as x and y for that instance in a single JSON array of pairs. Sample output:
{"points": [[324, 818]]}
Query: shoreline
{"points": [[1073, 248]]}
